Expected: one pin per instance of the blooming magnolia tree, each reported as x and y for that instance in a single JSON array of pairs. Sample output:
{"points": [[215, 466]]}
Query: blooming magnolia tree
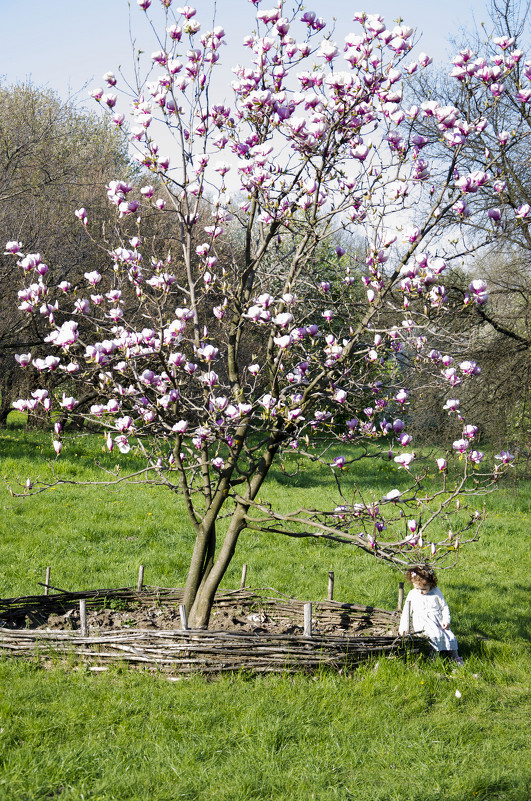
{"points": [[256, 335]]}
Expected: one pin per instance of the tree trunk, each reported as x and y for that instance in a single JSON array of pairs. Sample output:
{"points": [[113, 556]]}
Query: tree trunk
{"points": [[200, 564], [199, 614]]}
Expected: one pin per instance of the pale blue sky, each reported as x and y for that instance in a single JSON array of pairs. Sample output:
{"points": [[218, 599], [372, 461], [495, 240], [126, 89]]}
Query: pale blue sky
{"points": [[65, 44]]}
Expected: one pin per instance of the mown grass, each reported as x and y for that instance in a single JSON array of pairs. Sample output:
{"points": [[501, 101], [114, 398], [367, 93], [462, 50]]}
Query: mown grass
{"points": [[390, 731]]}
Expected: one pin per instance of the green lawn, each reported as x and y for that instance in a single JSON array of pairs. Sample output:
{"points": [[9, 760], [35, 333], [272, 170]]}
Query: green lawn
{"points": [[389, 731]]}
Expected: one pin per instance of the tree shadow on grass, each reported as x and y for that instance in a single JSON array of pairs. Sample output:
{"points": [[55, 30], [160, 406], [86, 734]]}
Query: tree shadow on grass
{"points": [[482, 788], [38, 448], [375, 476], [506, 620]]}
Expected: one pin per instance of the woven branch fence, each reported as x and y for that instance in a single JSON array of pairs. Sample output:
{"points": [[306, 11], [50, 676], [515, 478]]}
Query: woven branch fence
{"points": [[186, 651]]}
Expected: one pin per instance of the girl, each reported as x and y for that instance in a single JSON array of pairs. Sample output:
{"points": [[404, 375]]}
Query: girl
{"points": [[426, 611]]}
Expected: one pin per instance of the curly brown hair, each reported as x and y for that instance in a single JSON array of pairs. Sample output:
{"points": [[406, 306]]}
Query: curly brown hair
{"points": [[424, 572]]}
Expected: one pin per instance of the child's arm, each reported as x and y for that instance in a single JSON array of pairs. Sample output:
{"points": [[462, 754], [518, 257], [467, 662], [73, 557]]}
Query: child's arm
{"points": [[445, 610]]}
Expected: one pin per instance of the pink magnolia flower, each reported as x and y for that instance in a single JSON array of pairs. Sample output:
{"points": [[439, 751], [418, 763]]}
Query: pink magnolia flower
{"points": [[180, 427], [49, 363], [283, 342], [328, 50], [283, 319], [109, 100], [67, 403], [187, 11], [123, 443], [93, 278], [82, 306], [23, 359], [470, 368], [393, 495], [478, 288], [470, 431], [13, 247], [452, 405], [404, 460], [505, 457]]}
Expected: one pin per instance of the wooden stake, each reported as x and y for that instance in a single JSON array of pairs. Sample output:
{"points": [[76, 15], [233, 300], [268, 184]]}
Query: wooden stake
{"points": [[330, 585], [83, 617], [47, 580], [308, 619], [244, 576], [400, 596], [184, 617], [140, 578]]}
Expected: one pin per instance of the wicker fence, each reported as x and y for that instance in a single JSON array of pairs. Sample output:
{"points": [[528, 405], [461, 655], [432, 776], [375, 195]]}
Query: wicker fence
{"points": [[368, 631]]}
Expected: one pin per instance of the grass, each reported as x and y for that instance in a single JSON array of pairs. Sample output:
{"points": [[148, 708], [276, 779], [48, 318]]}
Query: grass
{"points": [[390, 731]]}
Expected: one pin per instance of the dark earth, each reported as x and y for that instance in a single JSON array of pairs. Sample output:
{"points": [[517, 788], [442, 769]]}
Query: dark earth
{"points": [[237, 618]]}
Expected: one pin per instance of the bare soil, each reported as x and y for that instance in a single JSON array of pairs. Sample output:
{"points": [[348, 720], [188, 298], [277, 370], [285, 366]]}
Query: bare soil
{"points": [[239, 617]]}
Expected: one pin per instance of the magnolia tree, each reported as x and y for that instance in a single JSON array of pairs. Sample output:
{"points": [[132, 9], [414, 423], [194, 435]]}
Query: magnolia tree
{"points": [[255, 335]]}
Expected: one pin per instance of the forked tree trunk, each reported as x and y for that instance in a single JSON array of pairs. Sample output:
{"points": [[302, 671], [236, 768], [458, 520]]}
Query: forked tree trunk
{"points": [[199, 601], [199, 613], [200, 564]]}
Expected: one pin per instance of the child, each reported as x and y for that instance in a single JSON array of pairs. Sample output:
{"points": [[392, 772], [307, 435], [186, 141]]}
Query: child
{"points": [[426, 611]]}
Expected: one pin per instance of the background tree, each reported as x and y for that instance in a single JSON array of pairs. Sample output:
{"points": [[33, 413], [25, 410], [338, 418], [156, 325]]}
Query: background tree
{"points": [[491, 197], [52, 155], [312, 138]]}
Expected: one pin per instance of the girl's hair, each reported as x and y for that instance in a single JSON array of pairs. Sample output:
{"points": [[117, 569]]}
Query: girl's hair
{"points": [[424, 572]]}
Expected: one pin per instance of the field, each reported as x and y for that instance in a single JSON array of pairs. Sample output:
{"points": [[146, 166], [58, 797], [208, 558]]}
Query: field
{"points": [[390, 731]]}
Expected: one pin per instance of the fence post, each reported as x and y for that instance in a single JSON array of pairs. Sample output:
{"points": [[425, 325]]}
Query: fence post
{"points": [[83, 616], [140, 578], [330, 585], [47, 580], [184, 617], [400, 596], [308, 619], [244, 576]]}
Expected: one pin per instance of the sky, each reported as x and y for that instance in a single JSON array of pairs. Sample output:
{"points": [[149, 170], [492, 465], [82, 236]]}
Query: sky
{"points": [[67, 45]]}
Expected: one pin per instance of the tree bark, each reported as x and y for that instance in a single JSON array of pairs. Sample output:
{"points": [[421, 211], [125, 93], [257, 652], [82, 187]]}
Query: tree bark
{"points": [[200, 611], [200, 564]]}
